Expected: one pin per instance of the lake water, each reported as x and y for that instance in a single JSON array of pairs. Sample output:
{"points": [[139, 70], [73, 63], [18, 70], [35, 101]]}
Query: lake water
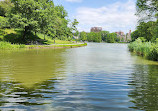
{"points": [[98, 77]]}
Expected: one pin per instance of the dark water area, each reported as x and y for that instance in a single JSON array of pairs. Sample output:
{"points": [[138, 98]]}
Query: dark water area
{"points": [[99, 77]]}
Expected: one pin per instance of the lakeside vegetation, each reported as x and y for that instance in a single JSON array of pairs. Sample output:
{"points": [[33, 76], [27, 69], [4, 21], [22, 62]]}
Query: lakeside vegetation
{"points": [[148, 50], [145, 37], [103, 36], [34, 22], [8, 45]]}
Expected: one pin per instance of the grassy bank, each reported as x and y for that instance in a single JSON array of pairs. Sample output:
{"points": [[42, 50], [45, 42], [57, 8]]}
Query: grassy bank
{"points": [[9, 46], [56, 46], [146, 49], [12, 39], [14, 36]]}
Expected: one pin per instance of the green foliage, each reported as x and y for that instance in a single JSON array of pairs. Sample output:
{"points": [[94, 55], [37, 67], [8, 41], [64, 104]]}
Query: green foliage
{"points": [[73, 25], [5, 7], [4, 22], [153, 55], [94, 37], [37, 16], [147, 30], [104, 35], [99, 37], [147, 9], [135, 35], [111, 37], [146, 49], [141, 38], [83, 36], [156, 40], [7, 45]]}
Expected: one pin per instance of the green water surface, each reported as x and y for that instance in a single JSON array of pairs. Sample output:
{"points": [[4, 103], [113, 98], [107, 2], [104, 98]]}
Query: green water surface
{"points": [[99, 77]]}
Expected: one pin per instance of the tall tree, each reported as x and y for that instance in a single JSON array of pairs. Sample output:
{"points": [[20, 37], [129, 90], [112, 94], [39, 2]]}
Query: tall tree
{"points": [[83, 36], [24, 15], [147, 9], [46, 16]]}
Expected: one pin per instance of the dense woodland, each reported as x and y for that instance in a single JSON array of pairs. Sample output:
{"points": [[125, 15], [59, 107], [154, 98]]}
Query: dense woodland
{"points": [[30, 17]]}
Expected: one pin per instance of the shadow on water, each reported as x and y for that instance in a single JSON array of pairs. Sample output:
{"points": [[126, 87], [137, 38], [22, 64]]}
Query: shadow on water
{"points": [[144, 85], [27, 78], [78, 79], [15, 93]]}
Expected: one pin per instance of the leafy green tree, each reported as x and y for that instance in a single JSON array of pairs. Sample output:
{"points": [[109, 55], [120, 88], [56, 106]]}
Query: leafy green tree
{"points": [[154, 31], [25, 15], [104, 35], [76, 33], [83, 36], [145, 30], [97, 37], [46, 17], [61, 24], [4, 22], [111, 37], [135, 35], [5, 7], [147, 8], [90, 36], [74, 24]]}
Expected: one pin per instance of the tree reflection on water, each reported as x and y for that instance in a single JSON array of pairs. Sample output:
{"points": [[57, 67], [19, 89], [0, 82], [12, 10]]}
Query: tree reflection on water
{"points": [[14, 94], [145, 87]]}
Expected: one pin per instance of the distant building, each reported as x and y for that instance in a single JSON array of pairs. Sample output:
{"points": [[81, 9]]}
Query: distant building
{"points": [[123, 37], [120, 33], [128, 37], [96, 29]]}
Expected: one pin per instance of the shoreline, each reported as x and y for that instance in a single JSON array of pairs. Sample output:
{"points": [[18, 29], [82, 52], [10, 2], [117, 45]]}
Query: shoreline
{"points": [[55, 46], [9, 46]]}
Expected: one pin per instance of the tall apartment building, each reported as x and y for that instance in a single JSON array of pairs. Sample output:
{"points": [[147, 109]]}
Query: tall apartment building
{"points": [[96, 29]]}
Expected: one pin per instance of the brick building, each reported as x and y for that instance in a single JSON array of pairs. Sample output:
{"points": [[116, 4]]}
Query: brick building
{"points": [[123, 37], [96, 29]]}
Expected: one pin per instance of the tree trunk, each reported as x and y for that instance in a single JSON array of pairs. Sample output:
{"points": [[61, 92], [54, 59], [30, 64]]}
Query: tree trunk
{"points": [[25, 32]]}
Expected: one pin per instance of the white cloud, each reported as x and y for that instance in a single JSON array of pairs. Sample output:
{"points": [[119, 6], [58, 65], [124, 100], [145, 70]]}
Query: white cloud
{"points": [[73, 0], [113, 17]]}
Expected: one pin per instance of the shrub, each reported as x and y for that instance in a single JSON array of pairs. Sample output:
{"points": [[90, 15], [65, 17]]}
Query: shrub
{"points": [[146, 49], [8, 45]]}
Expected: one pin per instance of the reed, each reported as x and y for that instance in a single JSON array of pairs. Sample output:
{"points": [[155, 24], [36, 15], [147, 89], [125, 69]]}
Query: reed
{"points": [[146, 49]]}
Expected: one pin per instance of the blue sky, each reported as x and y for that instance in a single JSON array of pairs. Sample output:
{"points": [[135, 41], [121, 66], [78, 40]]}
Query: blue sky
{"points": [[111, 15]]}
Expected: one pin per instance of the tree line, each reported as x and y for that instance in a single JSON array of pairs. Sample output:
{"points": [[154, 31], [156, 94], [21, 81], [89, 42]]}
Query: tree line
{"points": [[32, 16], [103, 36]]}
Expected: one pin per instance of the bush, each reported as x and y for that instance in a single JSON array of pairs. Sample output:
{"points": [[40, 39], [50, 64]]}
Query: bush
{"points": [[8, 45], [146, 49], [153, 55]]}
